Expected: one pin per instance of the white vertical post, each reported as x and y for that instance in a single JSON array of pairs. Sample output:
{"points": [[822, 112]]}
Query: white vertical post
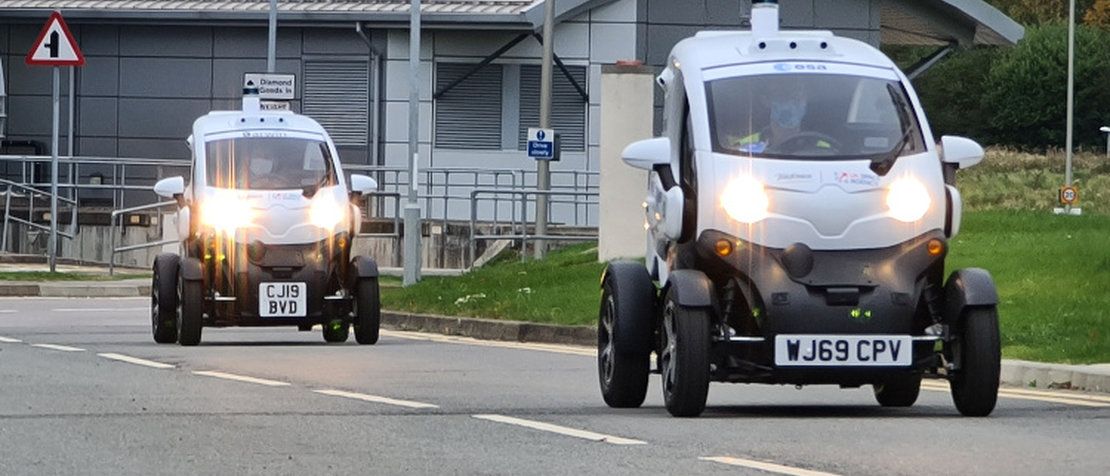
{"points": [[412, 208], [53, 241], [543, 167], [271, 49], [1071, 91]]}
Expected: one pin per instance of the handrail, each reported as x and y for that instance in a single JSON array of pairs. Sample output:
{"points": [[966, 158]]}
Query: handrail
{"points": [[112, 232], [523, 235], [31, 193]]}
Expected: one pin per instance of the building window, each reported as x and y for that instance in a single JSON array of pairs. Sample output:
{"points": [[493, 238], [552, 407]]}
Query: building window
{"points": [[468, 116], [568, 108], [337, 95]]}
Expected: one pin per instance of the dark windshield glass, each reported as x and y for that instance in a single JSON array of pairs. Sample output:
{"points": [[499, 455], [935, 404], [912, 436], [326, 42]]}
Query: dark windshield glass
{"points": [[811, 117], [269, 163]]}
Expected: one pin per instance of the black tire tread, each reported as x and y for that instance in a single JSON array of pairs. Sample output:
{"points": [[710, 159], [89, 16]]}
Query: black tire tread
{"points": [[692, 367], [190, 316], [634, 305], [164, 288], [368, 311], [898, 392], [975, 385]]}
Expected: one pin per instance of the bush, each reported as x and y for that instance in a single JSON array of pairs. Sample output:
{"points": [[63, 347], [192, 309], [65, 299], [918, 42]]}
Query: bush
{"points": [[1027, 86]]}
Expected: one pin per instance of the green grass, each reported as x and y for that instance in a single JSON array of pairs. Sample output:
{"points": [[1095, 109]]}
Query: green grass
{"points": [[1053, 277], [66, 276], [563, 289]]}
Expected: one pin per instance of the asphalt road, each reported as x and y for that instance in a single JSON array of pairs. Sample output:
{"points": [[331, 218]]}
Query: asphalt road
{"points": [[85, 390]]}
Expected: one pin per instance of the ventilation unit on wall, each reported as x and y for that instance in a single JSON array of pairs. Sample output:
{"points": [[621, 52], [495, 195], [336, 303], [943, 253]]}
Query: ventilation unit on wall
{"points": [[337, 95]]}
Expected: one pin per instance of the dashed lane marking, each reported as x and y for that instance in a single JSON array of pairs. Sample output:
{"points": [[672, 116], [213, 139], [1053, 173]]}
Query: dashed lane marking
{"points": [[10, 340], [375, 399], [562, 430], [241, 378], [63, 348], [764, 466], [136, 361], [101, 309]]}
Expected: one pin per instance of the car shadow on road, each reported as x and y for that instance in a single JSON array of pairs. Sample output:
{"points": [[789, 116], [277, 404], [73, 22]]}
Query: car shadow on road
{"points": [[825, 411]]}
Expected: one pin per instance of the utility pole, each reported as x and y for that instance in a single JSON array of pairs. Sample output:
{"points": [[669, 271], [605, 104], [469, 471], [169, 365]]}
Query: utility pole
{"points": [[543, 167], [271, 49], [1071, 90], [412, 209]]}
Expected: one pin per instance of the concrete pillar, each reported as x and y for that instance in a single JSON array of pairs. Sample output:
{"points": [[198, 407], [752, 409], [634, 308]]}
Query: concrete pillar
{"points": [[626, 117]]}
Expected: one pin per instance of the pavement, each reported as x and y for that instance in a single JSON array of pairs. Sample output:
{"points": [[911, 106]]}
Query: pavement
{"points": [[84, 389]]}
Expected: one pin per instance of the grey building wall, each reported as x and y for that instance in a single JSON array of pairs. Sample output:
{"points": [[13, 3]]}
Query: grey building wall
{"points": [[143, 86]]}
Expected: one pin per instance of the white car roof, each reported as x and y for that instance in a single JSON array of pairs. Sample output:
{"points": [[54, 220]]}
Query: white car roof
{"points": [[223, 122], [712, 49]]}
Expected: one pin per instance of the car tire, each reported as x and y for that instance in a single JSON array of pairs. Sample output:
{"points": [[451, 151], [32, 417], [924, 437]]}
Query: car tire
{"points": [[978, 351], [684, 358], [901, 391], [336, 331], [625, 326], [190, 313], [163, 298], [367, 311]]}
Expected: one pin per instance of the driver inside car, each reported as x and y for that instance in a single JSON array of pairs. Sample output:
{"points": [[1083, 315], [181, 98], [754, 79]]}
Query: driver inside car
{"points": [[788, 101]]}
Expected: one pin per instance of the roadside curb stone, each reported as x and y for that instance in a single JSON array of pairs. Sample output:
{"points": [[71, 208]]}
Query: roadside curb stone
{"points": [[491, 329], [1021, 373], [74, 289]]}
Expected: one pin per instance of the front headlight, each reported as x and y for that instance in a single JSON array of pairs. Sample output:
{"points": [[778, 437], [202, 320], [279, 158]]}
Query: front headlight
{"points": [[326, 213], [908, 200], [225, 214], [745, 200]]}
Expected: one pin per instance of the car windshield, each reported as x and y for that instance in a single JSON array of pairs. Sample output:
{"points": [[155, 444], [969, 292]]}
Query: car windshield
{"points": [[812, 117], [269, 163]]}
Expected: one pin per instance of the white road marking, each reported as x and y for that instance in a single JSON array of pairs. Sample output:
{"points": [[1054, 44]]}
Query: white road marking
{"points": [[241, 378], [7, 311], [556, 348], [136, 360], [63, 348], [101, 309], [375, 399], [562, 430], [1058, 394], [763, 466], [1040, 396], [10, 340]]}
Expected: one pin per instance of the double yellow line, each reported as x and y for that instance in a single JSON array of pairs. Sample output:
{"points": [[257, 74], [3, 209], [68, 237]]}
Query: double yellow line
{"points": [[1061, 397]]}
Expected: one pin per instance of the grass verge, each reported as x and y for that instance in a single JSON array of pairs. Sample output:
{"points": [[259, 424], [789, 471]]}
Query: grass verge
{"points": [[66, 276], [1053, 276]]}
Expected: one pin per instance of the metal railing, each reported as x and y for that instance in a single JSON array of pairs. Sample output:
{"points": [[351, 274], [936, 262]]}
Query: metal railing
{"points": [[112, 232], [31, 193], [521, 235]]}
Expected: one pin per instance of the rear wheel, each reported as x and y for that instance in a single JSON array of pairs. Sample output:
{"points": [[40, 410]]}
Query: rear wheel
{"points": [[624, 330], [190, 312], [685, 358], [977, 349], [336, 331], [898, 392], [367, 311], [163, 298]]}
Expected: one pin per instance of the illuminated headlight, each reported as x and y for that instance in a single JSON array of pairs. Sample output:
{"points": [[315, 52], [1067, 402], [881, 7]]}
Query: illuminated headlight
{"points": [[226, 214], [326, 213], [745, 200], [908, 200]]}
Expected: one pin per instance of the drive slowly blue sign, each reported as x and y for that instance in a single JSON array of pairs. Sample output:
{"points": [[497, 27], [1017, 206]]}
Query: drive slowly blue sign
{"points": [[541, 143]]}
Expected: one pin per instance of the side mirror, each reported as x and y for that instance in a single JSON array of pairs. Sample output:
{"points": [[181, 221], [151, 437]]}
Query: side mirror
{"points": [[172, 187], [362, 185], [646, 154], [960, 151]]}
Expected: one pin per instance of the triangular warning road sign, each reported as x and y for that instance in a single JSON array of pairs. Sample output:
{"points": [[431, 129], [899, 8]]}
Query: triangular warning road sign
{"points": [[55, 45]]}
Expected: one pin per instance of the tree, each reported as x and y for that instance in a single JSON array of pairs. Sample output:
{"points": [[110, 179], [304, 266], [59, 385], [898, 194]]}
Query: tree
{"points": [[1039, 12], [1026, 88]]}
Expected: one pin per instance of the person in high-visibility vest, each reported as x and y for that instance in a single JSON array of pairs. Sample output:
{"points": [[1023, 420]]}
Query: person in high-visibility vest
{"points": [[788, 101]]}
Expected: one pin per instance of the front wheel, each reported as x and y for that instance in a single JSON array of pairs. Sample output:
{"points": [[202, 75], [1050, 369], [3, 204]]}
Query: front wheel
{"points": [[899, 391], [685, 358], [368, 311], [163, 298], [978, 351], [190, 313]]}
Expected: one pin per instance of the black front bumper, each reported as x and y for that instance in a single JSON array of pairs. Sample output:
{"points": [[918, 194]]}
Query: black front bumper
{"points": [[234, 273], [801, 291]]}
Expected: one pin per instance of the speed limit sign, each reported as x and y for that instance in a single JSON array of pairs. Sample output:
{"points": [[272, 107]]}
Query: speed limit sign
{"points": [[1069, 195]]}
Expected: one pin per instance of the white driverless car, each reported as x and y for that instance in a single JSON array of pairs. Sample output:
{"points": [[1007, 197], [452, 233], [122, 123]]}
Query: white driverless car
{"points": [[266, 225], [798, 218]]}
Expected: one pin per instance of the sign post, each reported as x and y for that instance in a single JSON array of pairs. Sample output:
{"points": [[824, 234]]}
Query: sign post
{"points": [[274, 90], [54, 47]]}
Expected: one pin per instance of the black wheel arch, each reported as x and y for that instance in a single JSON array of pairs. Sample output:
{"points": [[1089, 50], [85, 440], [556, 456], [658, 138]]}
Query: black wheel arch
{"points": [[969, 287]]}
